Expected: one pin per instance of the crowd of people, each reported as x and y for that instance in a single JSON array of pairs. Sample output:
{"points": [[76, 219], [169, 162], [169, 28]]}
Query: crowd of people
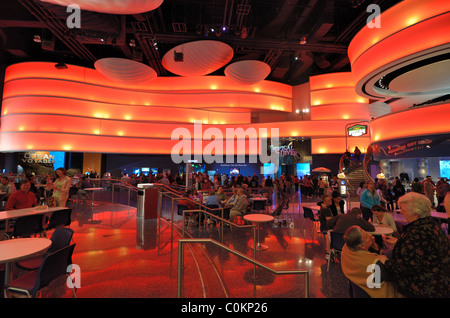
{"points": [[51, 190]]}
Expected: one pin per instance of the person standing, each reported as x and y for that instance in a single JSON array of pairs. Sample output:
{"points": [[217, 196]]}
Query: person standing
{"points": [[428, 188], [369, 197], [357, 153], [61, 187], [420, 261], [416, 186]]}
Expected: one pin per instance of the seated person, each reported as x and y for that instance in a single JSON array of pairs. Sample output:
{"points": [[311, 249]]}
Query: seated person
{"points": [[23, 198], [342, 222], [196, 196], [213, 200], [338, 205], [357, 254], [222, 196], [186, 201], [325, 213], [239, 207], [81, 193], [7, 188], [380, 216]]}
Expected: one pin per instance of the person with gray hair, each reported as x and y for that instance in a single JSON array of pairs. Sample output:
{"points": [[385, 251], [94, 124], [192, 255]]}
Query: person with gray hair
{"points": [[359, 252], [420, 260]]}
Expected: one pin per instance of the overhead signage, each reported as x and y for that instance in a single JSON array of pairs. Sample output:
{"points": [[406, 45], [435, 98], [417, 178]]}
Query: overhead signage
{"points": [[357, 130]]}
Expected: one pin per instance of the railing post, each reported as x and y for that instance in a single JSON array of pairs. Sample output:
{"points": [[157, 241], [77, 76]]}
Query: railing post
{"points": [[180, 267]]}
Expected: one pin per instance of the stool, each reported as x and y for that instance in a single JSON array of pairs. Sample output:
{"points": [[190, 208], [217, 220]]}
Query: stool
{"points": [[239, 220]]}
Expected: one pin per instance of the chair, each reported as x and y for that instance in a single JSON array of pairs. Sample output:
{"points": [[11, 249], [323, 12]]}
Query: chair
{"points": [[27, 226], [60, 238], [52, 268], [336, 244], [258, 205], [357, 292], [181, 208], [59, 219], [309, 214]]}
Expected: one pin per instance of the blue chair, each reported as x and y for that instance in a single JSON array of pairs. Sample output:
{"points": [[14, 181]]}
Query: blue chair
{"points": [[258, 205], [336, 244], [356, 292], [181, 208], [52, 268], [60, 238], [59, 219], [27, 226]]}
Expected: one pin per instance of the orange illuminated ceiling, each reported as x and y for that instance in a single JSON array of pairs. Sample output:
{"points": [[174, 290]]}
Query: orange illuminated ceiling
{"points": [[409, 32], [77, 109]]}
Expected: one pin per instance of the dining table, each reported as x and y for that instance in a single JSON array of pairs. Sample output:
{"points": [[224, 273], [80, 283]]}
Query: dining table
{"points": [[258, 219], [20, 248], [6, 216], [381, 229]]}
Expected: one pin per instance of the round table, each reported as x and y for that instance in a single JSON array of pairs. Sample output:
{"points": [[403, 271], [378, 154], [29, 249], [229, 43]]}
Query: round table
{"points": [[258, 219], [381, 230], [21, 248]]}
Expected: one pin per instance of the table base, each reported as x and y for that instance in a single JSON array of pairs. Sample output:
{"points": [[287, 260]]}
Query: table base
{"points": [[259, 246]]}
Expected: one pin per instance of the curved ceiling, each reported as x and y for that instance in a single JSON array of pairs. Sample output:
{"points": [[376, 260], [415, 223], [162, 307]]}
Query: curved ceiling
{"points": [[111, 7], [427, 78]]}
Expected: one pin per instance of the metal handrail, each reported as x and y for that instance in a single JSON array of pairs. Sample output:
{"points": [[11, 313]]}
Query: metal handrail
{"points": [[181, 243], [222, 222]]}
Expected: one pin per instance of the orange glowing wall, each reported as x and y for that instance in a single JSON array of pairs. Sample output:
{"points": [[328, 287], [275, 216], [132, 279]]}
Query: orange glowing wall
{"points": [[414, 122], [333, 97]]}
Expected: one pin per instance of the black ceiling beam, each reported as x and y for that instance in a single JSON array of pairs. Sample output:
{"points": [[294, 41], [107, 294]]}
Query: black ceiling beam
{"points": [[58, 28], [257, 43]]}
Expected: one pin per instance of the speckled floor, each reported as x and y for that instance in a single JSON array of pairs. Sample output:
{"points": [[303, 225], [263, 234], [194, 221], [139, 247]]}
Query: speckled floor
{"points": [[123, 256]]}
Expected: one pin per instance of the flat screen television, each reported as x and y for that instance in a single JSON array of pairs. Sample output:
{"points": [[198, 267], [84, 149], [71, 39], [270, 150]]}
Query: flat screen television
{"points": [[444, 166], [234, 171], [269, 169], [211, 174], [303, 169], [154, 170], [145, 171]]}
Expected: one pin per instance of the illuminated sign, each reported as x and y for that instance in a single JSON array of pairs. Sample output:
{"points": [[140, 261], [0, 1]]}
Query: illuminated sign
{"points": [[357, 130], [38, 157]]}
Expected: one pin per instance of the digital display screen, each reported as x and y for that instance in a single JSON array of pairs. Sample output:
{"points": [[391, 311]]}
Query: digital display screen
{"points": [[234, 171], [303, 169], [444, 166]]}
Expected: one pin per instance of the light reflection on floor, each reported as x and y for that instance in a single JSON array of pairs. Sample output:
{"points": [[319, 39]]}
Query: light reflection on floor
{"points": [[122, 256]]}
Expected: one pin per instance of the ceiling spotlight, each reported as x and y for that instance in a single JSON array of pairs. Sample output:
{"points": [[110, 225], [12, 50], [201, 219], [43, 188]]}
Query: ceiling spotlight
{"points": [[37, 39], [303, 40], [61, 66], [178, 56], [224, 28]]}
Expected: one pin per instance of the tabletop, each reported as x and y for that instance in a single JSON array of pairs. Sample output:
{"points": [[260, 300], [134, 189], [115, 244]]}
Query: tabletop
{"points": [[16, 249], [258, 199], [258, 218], [381, 229], [11, 214]]}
